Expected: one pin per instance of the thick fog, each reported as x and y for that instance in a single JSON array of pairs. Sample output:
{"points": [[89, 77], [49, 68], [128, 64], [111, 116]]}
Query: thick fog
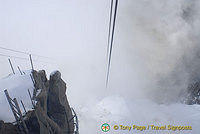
{"points": [[160, 39], [155, 51]]}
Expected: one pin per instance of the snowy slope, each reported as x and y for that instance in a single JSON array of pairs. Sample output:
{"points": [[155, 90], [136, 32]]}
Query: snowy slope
{"points": [[17, 86], [116, 110]]}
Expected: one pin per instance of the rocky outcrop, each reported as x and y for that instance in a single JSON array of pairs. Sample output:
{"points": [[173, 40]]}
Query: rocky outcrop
{"points": [[8, 128], [192, 94], [58, 108], [51, 113]]}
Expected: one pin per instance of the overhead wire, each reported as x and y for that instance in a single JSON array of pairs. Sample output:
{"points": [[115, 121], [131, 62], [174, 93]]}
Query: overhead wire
{"points": [[13, 50], [16, 57], [4, 55], [22, 52], [109, 30], [111, 43]]}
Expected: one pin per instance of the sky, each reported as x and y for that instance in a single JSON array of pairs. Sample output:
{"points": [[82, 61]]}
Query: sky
{"points": [[72, 33], [153, 49], [152, 53]]}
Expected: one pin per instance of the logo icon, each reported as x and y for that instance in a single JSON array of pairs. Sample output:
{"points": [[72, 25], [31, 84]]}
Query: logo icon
{"points": [[105, 127]]}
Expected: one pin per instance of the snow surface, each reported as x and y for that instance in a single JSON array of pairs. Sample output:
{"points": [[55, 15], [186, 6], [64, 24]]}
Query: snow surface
{"points": [[52, 73], [17, 86], [116, 110]]}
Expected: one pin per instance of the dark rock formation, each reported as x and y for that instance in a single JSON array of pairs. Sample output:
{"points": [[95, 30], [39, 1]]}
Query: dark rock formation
{"points": [[57, 105], [8, 128], [192, 95], [52, 113]]}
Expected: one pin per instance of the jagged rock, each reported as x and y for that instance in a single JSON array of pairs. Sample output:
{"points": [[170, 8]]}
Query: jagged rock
{"points": [[32, 122], [58, 108], [8, 128], [192, 94], [52, 111]]}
